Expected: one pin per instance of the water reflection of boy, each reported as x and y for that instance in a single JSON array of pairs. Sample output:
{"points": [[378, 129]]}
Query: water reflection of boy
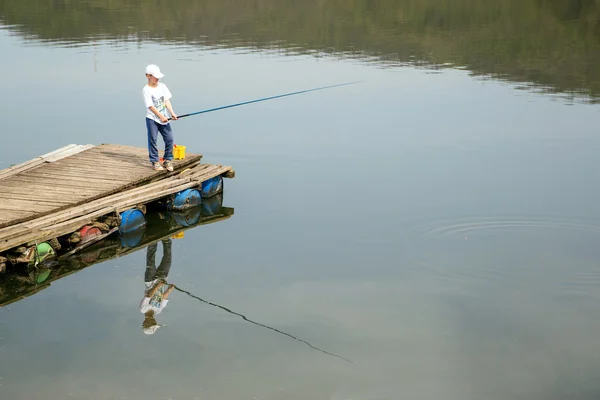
{"points": [[157, 289]]}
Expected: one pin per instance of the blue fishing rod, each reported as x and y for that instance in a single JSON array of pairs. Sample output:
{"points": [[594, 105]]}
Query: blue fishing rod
{"points": [[263, 99]]}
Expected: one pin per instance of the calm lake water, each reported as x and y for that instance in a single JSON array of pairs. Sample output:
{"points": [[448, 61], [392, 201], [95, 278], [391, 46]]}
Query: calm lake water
{"points": [[436, 224]]}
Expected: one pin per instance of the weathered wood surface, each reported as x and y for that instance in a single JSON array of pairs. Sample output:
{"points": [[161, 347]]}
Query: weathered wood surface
{"points": [[46, 158], [74, 175], [70, 219]]}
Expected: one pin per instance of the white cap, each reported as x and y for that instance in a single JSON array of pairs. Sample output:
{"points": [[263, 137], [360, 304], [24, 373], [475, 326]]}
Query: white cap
{"points": [[151, 329], [154, 71]]}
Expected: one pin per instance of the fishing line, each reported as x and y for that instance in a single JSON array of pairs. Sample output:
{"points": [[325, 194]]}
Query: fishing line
{"points": [[259, 324], [264, 99]]}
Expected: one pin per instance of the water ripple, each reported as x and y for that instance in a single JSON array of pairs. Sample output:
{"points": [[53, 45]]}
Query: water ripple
{"points": [[558, 256], [474, 226]]}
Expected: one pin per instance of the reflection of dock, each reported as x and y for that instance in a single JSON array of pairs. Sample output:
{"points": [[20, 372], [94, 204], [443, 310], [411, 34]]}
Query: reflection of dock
{"points": [[58, 193], [160, 225]]}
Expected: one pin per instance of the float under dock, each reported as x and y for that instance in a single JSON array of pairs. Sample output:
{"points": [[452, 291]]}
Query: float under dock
{"points": [[15, 286], [58, 193]]}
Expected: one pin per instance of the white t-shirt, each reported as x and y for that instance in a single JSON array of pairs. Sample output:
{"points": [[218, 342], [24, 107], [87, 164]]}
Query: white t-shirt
{"points": [[157, 302], [156, 97], [148, 304]]}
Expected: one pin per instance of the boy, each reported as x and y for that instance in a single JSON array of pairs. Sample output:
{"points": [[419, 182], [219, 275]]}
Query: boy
{"points": [[156, 98], [156, 295]]}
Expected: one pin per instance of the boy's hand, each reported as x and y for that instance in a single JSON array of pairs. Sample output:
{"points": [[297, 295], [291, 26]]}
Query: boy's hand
{"points": [[173, 116], [164, 119]]}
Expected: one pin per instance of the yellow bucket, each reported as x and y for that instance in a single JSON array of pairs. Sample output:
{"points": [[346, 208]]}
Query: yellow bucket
{"points": [[178, 152]]}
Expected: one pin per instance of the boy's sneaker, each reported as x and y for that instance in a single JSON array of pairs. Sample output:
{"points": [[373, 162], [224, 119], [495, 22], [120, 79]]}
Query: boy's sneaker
{"points": [[168, 165], [157, 166]]}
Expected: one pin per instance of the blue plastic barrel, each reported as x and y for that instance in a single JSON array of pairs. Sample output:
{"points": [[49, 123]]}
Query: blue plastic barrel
{"points": [[186, 199], [131, 220], [212, 186], [133, 238], [212, 205], [187, 218]]}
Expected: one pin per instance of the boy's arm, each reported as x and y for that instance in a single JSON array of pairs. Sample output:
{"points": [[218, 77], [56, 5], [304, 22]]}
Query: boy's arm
{"points": [[150, 105], [154, 289], [158, 114], [169, 290], [170, 108]]}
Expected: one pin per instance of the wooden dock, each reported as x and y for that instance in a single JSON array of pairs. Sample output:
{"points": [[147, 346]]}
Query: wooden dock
{"points": [[57, 193]]}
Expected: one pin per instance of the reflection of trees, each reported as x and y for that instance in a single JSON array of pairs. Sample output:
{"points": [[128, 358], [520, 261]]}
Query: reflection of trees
{"points": [[546, 42]]}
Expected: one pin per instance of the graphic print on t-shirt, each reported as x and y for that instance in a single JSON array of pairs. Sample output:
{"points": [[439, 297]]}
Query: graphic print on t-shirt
{"points": [[158, 296], [156, 97], [159, 103]]}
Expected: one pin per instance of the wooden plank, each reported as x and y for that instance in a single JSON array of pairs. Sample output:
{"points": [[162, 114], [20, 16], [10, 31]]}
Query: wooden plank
{"points": [[100, 159], [127, 151], [73, 189], [98, 170], [121, 204], [29, 190], [11, 212], [112, 150], [129, 162], [20, 182], [125, 162], [95, 161], [24, 208], [74, 176], [69, 192], [121, 155], [103, 158], [31, 163], [39, 161], [108, 162], [28, 205], [82, 164], [44, 197], [69, 177], [90, 172], [55, 179], [50, 199], [45, 234], [171, 181], [68, 153], [91, 189], [117, 149], [42, 179], [36, 181], [132, 201]]}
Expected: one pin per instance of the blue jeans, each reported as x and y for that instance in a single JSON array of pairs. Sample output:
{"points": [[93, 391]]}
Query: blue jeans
{"points": [[162, 271], [167, 135]]}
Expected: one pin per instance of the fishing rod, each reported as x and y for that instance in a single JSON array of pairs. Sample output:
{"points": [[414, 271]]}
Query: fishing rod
{"points": [[258, 323], [263, 99]]}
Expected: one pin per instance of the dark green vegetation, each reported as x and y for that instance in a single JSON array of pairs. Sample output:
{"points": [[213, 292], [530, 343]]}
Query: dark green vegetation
{"points": [[554, 44]]}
